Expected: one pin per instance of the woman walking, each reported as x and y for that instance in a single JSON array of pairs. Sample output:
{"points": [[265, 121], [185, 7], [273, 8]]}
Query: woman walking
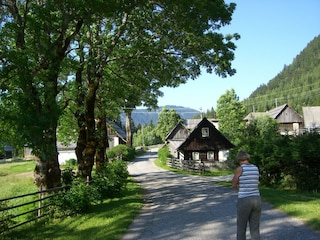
{"points": [[246, 181]]}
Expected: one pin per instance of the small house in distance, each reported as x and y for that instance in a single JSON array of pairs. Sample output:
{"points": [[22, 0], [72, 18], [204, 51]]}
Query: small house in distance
{"points": [[175, 138], [290, 122], [116, 134], [204, 143]]}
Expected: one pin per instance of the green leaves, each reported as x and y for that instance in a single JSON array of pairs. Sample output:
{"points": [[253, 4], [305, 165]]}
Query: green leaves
{"points": [[167, 120], [230, 113]]}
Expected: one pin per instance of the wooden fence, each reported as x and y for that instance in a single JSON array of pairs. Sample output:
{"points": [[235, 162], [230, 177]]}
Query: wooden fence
{"points": [[187, 165], [19, 210]]}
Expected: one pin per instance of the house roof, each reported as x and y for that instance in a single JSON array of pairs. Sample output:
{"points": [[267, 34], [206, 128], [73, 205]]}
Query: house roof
{"points": [[253, 115], [173, 133], [215, 141], [192, 123], [283, 114], [275, 112], [117, 130], [311, 116]]}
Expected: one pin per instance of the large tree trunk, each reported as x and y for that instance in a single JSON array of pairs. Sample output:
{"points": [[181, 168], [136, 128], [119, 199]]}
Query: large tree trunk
{"points": [[102, 141], [82, 141], [47, 173], [85, 169], [128, 127]]}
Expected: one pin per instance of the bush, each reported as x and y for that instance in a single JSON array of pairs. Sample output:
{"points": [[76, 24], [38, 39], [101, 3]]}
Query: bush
{"points": [[163, 155], [111, 179], [67, 176], [71, 162], [76, 200], [121, 152]]}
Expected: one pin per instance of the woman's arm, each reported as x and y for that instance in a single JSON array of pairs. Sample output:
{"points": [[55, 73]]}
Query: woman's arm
{"points": [[235, 179]]}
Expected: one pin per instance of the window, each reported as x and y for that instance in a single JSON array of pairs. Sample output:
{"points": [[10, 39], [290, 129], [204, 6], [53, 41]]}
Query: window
{"points": [[210, 155], [195, 156], [205, 132]]}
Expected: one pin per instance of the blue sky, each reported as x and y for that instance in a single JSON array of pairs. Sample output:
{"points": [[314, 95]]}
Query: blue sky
{"points": [[273, 33]]}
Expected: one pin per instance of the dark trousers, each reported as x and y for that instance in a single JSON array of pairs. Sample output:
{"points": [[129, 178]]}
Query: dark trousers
{"points": [[248, 210]]}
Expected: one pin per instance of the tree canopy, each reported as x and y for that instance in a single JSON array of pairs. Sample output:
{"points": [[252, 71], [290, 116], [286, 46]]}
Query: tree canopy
{"points": [[94, 57], [168, 119], [231, 112]]}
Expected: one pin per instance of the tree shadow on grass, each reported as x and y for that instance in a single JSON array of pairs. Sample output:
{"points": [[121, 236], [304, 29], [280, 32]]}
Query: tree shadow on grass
{"points": [[108, 220]]}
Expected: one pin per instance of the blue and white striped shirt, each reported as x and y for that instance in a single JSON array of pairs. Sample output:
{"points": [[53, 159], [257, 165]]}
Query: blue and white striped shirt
{"points": [[249, 181]]}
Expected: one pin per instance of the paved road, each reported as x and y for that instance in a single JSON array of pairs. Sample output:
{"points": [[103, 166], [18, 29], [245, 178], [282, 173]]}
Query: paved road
{"points": [[195, 208]]}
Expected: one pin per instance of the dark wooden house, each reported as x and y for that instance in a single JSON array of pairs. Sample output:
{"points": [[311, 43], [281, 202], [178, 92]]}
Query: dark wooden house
{"points": [[204, 143]]}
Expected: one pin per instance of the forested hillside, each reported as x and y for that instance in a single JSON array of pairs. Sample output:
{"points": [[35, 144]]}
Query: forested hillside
{"points": [[297, 84]]}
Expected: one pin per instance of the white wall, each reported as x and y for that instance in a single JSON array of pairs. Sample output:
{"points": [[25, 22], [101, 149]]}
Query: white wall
{"points": [[63, 156]]}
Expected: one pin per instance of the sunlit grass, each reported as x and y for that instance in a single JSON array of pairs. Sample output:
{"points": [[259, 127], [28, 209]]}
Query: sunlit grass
{"points": [[16, 178], [302, 205], [15, 167], [108, 220]]}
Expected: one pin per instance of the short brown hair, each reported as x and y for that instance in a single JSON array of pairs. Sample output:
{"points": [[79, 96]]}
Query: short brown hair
{"points": [[243, 155]]}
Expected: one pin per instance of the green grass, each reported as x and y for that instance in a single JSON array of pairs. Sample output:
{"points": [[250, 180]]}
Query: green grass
{"points": [[15, 167], [18, 178], [301, 205], [108, 220]]}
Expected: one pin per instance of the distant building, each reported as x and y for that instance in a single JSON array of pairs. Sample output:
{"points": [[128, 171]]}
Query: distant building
{"points": [[290, 122], [202, 142], [311, 116], [116, 136], [7, 152]]}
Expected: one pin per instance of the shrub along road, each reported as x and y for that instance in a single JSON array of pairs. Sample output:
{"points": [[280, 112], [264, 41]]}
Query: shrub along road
{"points": [[195, 208]]}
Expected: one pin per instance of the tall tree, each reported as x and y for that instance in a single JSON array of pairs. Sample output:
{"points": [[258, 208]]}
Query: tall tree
{"points": [[35, 38], [156, 44], [230, 112], [168, 118]]}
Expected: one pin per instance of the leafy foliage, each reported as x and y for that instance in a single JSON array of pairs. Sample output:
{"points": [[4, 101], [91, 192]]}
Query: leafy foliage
{"points": [[111, 179], [146, 136], [67, 176], [163, 155], [122, 152], [168, 119], [284, 161], [230, 112], [80, 196], [75, 200]]}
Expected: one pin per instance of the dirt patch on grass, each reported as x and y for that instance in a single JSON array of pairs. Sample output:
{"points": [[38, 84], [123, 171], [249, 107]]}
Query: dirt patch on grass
{"points": [[25, 174]]}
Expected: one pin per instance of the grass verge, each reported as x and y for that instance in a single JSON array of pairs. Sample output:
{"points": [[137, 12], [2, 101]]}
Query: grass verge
{"points": [[302, 205], [108, 220]]}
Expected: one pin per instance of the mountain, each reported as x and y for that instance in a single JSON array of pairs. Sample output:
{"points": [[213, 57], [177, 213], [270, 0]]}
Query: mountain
{"points": [[145, 117], [298, 84]]}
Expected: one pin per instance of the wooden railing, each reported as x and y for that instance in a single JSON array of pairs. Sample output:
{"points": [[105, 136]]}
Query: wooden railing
{"points": [[19, 210], [188, 165]]}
